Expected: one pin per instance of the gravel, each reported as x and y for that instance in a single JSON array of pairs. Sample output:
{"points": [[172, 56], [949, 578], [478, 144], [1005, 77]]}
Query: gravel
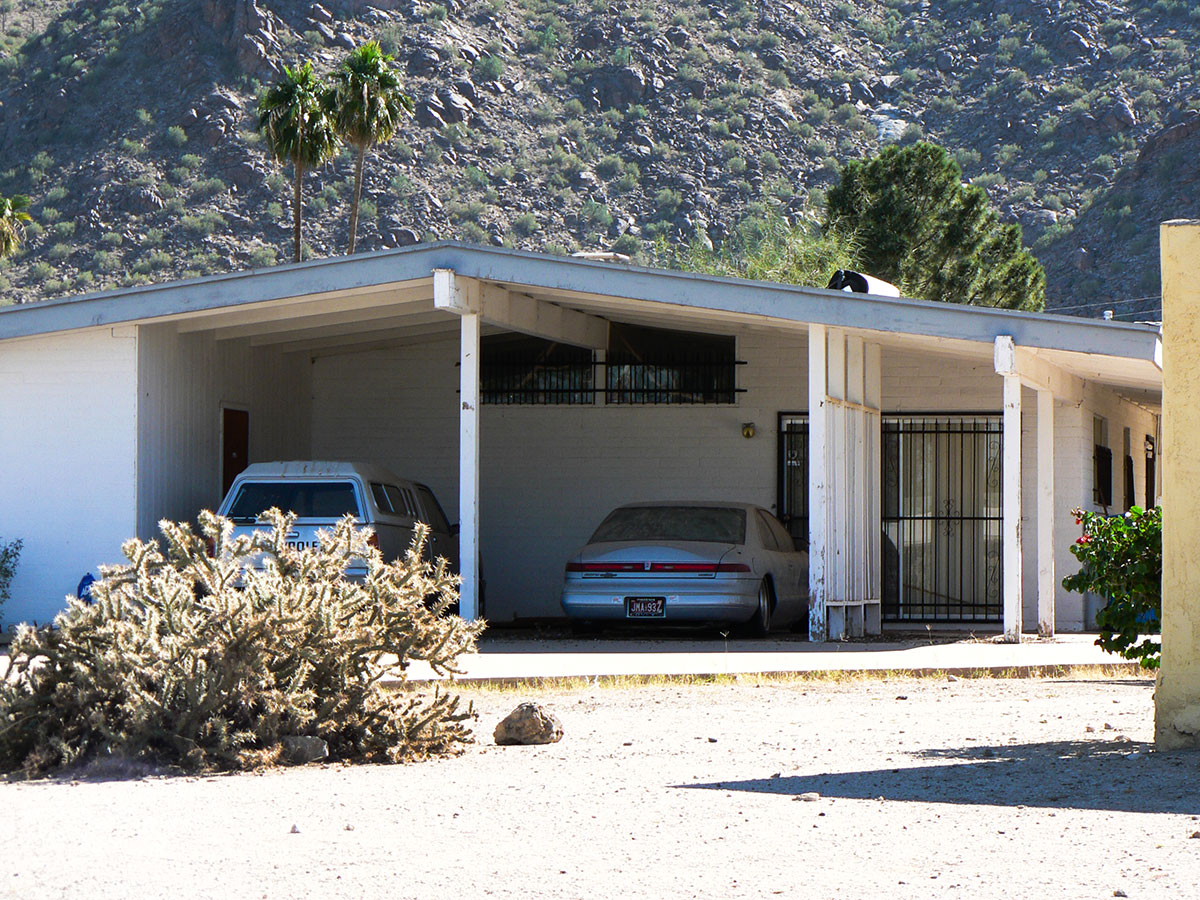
{"points": [[972, 788]]}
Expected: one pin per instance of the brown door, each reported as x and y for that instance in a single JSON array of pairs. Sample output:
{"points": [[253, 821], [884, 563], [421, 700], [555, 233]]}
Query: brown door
{"points": [[235, 445]]}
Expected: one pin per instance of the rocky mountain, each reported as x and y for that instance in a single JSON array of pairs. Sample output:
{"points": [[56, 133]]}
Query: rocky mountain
{"points": [[568, 125]]}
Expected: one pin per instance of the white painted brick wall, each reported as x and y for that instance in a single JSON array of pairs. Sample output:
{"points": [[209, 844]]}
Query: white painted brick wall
{"points": [[68, 441], [184, 381]]}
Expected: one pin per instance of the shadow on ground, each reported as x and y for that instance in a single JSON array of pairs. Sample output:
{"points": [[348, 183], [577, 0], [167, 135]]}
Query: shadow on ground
{"points": [[1120, 776], [683, 639]]}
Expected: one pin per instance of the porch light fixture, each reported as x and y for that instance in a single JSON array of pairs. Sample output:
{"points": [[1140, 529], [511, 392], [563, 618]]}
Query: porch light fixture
{"points": [[748, 430]]}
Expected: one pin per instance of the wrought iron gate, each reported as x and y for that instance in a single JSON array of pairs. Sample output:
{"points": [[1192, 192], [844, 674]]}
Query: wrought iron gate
{"points": [[940, 508], [942, 518]]}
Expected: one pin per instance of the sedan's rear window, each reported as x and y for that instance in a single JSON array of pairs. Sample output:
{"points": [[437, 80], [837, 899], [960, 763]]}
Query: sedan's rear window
{"points": [[714, 524], [307, 499]]}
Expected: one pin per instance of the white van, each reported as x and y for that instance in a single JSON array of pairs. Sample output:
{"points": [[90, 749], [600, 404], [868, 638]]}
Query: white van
{"points": [[321, 492]]}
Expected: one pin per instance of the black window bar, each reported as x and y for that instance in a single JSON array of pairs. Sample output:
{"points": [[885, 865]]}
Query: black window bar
{"points": [[518, 379]]}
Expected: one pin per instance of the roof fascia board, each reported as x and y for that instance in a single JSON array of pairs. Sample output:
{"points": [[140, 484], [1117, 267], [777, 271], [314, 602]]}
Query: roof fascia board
{"points": [[519, 268]]}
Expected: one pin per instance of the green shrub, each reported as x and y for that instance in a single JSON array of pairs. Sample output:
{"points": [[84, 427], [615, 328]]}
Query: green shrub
{"points": [[488, 68], [203, 662], [525, 224], [666, 202], [10, 554], [176, 136], [106, 260], [1122, 560], [595, 213], [207, 222], [262, 257]]}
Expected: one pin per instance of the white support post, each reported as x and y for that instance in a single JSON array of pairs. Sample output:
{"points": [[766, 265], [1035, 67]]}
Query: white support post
{"points": [[462, 297], [817, 482], [468, 469], [1011, 507], [1045, 512], [873, 398]]}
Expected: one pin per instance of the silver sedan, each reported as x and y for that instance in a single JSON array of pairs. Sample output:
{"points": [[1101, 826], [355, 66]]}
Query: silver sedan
{"points": [[689, 562]]}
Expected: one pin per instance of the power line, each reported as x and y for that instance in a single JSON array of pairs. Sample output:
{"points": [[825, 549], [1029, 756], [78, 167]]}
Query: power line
{"points": [[1106, 304]]}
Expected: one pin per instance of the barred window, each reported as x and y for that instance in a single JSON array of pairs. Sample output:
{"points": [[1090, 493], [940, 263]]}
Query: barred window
{"points": [[657, 366], [517, 369]]}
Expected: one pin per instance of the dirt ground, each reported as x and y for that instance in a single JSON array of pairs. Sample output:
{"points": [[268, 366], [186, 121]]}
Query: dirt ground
{"points": [[868, 788]]}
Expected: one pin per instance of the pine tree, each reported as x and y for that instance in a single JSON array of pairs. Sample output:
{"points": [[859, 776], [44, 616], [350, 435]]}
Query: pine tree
{"points": [[918, 226]]}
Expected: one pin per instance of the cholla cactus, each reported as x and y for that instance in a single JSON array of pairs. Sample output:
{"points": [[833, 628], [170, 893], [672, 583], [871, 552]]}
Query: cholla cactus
{"points": [[206, 652]]}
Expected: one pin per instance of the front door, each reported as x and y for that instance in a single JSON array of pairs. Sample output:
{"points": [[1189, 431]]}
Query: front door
{"points": [[235, 445]]}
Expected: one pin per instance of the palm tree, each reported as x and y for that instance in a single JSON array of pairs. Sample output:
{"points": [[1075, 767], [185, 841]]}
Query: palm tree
{"points": [[367, 103], [13, 217], [294, 119]]}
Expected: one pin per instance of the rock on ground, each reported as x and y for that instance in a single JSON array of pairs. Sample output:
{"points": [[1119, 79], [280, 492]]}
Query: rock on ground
{"points": [[528, 724]]}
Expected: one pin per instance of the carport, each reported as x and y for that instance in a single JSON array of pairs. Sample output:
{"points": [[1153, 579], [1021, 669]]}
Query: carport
{"points": [[384, 356]]}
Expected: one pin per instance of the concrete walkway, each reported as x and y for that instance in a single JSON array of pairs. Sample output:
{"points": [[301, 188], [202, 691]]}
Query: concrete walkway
{"points": [[509, 656]]}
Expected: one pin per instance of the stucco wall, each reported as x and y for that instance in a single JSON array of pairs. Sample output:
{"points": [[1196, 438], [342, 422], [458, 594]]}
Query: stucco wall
{"points": [[68, 441], [1177, 696]]}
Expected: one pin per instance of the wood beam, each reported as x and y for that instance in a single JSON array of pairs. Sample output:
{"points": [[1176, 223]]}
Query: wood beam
{"points": [[357, 326], [287, 310], [370, 340], [520, 312], [326, 318]]}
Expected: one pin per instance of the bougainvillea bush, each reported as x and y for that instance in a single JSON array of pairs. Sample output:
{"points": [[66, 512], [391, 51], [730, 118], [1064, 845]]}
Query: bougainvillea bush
{"points": [[209, 650], [1122, 560]]}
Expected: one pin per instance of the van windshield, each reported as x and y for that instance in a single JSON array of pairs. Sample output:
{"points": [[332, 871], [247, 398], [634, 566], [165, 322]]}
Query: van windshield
{"points": [[722, 525], [307, 499]]}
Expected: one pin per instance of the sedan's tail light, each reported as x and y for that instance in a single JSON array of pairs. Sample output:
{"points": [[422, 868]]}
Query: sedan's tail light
{"points": [[680, 567]]}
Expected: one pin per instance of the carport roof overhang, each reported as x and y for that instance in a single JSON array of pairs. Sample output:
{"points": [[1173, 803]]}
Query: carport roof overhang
{"points": [[1121, 354]]}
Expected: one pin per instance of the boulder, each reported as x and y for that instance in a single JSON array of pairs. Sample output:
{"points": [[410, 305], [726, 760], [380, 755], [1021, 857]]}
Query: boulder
{"points": [[679, 36], [619, 88], [424, 61], [300, 749], [404, 237], [142, 200], [529, 723]]}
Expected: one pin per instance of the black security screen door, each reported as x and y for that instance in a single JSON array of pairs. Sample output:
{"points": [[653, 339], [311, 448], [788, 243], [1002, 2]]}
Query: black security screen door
{"points": [[941, 518], [793, 476]]}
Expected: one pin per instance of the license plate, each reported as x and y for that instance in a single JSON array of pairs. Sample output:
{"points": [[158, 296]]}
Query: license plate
{"points": [[646, 607]]}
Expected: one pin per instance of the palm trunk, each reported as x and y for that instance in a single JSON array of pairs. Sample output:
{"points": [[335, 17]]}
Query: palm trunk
{"points": [[297, 212], [358, 180]]}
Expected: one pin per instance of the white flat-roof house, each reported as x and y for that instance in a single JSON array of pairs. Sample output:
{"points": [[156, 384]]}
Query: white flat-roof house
{"points": [[930, 454]]}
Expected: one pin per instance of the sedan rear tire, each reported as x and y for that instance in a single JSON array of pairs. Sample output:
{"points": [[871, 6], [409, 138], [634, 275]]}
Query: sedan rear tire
{"points": [[760, 625]]}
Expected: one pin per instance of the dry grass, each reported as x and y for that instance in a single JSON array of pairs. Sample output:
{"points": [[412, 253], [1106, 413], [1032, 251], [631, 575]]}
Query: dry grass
{"points": [[1129, 671]]}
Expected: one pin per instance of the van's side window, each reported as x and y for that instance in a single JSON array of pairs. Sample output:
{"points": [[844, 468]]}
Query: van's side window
{"points": [[402, 501], [381, 498], [438, 521]]}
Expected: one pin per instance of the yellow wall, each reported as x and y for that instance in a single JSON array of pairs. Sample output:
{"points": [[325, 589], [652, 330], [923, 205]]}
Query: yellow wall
{"points": [[1177, 699]]}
